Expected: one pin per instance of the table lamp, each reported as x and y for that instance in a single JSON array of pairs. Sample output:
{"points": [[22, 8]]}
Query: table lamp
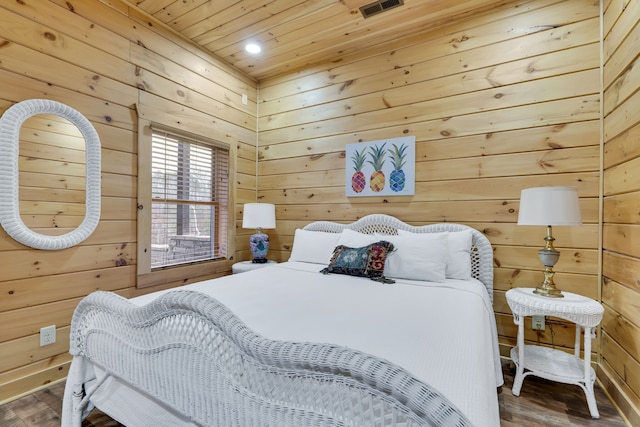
{"points": [[549, 206], [259, 216]]}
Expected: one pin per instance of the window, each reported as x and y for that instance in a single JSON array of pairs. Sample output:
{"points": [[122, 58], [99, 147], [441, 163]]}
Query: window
{"points": [[189, 199]]}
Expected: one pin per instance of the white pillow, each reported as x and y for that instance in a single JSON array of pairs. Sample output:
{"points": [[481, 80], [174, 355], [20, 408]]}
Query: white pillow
{"points": [[313, 246], [459, 251], [354, 239], [417, 257]]}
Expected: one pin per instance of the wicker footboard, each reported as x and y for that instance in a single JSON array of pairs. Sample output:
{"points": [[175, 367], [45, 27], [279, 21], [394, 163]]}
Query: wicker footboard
{"points": [[191, 353]]}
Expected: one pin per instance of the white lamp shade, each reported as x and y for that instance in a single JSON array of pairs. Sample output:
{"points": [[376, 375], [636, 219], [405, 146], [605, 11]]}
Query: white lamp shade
{"points": [[549, 206], [259, 215]]}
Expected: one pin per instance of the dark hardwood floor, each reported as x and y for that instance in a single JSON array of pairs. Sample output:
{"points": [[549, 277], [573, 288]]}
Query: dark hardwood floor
{"points": [[547, 403], [541, 403]]}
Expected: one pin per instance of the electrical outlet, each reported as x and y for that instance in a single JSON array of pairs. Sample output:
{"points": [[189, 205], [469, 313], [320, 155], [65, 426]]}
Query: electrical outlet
{"points": [[47, 335], [537, 323]]}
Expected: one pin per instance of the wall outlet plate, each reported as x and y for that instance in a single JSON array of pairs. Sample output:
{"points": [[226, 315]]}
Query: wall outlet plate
{"points": [[537, 323], [47, 335]]}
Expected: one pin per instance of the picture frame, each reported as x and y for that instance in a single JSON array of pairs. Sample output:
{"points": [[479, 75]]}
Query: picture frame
{"points": [[381, 168]]}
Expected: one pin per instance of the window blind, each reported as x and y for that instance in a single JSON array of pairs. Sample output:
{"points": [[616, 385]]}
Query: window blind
{"points": [[190, 193]]}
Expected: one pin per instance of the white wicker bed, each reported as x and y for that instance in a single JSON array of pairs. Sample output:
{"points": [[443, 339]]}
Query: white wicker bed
{"points": [[286, 346]]}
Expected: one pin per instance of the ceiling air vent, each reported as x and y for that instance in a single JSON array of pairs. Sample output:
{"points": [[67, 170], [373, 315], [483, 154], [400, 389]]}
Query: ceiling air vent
{"points": [[380, 6]]}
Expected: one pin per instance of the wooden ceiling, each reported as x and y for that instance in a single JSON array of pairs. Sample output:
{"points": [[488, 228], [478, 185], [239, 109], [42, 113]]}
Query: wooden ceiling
{"points": [[296, 34]]}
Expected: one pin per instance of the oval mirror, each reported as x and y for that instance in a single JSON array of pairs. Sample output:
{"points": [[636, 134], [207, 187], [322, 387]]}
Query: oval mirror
{"points": [[52, 171], [77, 129]]}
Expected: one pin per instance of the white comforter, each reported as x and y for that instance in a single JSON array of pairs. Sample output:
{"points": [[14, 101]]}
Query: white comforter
{"points": [[443, 333]]}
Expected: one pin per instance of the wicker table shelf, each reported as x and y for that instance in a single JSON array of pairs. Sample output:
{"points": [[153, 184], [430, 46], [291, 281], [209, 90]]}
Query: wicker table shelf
{"points": [[549, 363]]}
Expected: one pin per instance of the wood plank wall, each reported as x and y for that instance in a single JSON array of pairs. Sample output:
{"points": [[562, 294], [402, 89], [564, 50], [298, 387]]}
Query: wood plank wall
{"points": [[504, 101], [501, 102], [620, 354], [101, 59]]}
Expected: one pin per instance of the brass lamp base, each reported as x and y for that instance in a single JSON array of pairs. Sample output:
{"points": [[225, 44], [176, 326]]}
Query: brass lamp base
{"points": [[550, 293], [549, 256], [548, 290]]}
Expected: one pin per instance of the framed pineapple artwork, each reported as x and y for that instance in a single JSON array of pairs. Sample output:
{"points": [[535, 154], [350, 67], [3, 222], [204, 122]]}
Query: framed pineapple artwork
{"points": [[381, 168]]}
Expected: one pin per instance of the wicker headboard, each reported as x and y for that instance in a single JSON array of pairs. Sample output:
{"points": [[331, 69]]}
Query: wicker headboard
{"points": [[481, 253]]}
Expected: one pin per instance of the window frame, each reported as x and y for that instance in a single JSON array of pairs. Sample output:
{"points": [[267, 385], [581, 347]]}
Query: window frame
{"points": [[148, 276]]}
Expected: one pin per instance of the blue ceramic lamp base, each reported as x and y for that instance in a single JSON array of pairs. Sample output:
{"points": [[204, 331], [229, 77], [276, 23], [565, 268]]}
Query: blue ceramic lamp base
{"points": [[259, 244]]}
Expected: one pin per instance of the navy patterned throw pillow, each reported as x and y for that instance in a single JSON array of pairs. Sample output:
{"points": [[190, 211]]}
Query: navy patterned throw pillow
{"points": [[367, 261]]}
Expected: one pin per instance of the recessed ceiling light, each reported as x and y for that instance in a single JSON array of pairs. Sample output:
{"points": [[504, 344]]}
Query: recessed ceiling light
{"points": [[253, 48]]}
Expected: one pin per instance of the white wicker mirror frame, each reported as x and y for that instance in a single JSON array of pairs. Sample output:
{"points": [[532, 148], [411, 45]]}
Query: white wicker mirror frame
{"points": [[10, 124]]}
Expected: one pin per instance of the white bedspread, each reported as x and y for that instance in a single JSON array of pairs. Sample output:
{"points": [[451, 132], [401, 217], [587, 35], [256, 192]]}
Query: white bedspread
{"points": [[443, 333]]}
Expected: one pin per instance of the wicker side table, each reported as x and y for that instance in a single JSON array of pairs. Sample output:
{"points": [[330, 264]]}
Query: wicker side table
{"points": [[549, 363]]}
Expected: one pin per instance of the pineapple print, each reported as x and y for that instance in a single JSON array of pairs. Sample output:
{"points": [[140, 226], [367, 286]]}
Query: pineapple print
{"points": [[377, 179], [358, 180], [397, 177]]}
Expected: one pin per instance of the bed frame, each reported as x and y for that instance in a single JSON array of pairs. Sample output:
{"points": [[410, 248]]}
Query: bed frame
{"points": [[191, 354]]}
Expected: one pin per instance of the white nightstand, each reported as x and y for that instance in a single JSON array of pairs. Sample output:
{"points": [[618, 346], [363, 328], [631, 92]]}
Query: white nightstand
{"points": [[549, 363], [243, 266]]}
